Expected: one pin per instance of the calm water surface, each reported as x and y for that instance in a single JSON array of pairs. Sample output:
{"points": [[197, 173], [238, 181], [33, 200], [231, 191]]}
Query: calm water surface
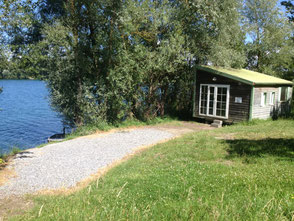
{"points": [[26, 119]]}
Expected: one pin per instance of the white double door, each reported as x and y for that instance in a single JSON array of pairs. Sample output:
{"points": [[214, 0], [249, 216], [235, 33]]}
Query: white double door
{"points": [[214, 100]]}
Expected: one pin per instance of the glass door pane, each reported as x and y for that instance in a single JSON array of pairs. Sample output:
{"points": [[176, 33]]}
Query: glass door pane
{"points": [[214, 100], [211, 101], [221, 102], [203, 99]]}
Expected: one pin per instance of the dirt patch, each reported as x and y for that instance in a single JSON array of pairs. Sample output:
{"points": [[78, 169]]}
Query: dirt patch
{"points": [[105, 133], [218, 161], [5, 175], [176, 128], [13, 206], [227, 136], [182, 127], [225, 162]]}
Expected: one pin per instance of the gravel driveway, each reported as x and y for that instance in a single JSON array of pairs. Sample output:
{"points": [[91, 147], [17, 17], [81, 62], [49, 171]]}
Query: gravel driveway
{"points": [[65, 164]]}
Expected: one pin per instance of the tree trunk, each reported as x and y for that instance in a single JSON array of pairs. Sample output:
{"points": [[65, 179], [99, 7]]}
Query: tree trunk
{"points": [[163, 101], [77, 110]]}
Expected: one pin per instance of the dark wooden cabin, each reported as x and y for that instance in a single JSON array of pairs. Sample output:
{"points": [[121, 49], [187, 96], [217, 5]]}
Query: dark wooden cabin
{"points": [[233, 95]]}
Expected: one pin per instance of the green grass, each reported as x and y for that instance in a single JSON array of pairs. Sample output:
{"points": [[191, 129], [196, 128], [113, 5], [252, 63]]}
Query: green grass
{"points": [[241, 172], [4, 157], [103, 126]]}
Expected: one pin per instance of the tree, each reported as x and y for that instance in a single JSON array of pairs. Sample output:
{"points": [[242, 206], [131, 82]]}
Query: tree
{"points": [[213, 31], [134, 60], [270, 48], [20, 30], [150, 60], [80, 47], [289, 73], [290, 9], [123, 61], [109, 60]]}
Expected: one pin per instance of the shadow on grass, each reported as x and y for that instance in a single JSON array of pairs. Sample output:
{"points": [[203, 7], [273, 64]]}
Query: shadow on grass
{"points": [[280, 148]]}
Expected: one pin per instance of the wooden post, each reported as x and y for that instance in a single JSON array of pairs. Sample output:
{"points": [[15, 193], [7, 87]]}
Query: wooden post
{"points": [[194, 93]]}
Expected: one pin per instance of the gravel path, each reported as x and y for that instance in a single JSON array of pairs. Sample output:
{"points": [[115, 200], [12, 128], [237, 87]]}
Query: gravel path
{"points": [[65, 164]]}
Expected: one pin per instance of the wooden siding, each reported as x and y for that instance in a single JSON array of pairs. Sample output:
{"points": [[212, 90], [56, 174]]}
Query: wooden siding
{"points": [[266, 111], [237, 111]]}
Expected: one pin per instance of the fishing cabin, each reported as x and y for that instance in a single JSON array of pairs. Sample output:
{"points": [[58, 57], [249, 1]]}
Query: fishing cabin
{"points": [[232, 95]]}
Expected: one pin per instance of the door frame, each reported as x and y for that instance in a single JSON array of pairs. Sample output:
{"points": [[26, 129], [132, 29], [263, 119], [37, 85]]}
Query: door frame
{"points": [[216, 86]]}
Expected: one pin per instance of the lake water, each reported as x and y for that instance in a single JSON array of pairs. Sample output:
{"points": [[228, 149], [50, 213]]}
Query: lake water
{"points": [[26, 118]]}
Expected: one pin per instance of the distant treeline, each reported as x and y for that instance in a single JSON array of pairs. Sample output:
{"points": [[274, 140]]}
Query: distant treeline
{"points": [[17, 76], [111, 60]]}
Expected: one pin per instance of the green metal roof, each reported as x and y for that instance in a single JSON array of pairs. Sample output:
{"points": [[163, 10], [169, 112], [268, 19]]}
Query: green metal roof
{"points": [[245, 76]]}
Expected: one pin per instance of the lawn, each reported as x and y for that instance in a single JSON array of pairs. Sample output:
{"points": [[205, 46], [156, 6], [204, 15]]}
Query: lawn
{"points": [[240, 172]]}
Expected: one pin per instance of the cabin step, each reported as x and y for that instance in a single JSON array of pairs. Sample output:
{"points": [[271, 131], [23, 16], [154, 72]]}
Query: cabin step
{"points": [[217, 123]]}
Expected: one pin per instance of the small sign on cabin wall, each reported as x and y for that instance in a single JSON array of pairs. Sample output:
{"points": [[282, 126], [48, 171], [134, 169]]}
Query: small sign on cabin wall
{"points": [[238, 100]]}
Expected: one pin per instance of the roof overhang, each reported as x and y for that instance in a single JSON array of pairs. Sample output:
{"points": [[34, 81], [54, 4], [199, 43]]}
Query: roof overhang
{"points": [[236, 78]]}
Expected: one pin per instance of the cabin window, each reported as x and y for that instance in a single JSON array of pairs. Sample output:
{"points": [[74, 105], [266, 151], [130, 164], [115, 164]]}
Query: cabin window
{"points": [[283, 94], [214, 100], [263, 99], [272, 98], [289, 93]]}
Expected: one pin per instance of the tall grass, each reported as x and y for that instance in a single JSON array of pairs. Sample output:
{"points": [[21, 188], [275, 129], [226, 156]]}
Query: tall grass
{"points": [[5, 156], [104, 126]]}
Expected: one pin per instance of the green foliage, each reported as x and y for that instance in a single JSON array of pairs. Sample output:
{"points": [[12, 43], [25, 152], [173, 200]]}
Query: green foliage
{"points": [[19, 30], [15, 150], [213, 31], [290, 8], [271, 50], [58, 61], [5, 156], [128, 67], [220, 174], [149, 62], [3, 63], [107, 61]]}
